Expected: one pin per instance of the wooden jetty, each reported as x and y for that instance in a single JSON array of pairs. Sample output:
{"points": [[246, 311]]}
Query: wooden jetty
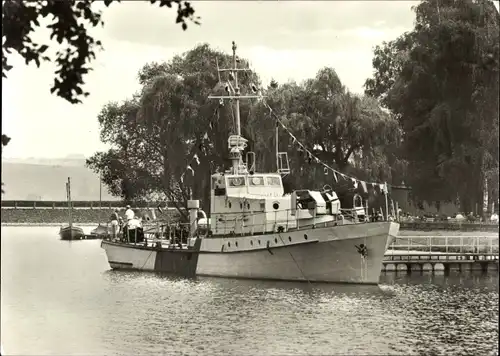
{"points": [[442, 253]]}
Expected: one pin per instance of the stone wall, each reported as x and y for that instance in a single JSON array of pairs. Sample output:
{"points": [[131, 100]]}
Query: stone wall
{"points": [[60, 216]]}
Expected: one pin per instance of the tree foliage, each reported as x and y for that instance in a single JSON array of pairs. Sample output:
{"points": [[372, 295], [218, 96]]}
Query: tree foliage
{"points": [[340, 128], [155, 134], [441, 81], [71, 21]]}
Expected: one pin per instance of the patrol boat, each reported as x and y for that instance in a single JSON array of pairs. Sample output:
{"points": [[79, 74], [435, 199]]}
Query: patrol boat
{"points": [[256, 231]]}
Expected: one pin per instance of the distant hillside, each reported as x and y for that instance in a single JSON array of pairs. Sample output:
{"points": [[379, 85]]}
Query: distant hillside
{"points": [[44, 179], [72, 160]]}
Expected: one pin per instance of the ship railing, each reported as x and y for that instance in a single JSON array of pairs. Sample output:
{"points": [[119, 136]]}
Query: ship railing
{"points": [[240, 223], [447, 244], [350, 214], [258, 222], [175, 234]]}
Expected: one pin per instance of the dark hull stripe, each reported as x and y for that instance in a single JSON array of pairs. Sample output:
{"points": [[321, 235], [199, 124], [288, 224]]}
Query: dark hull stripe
{"points": [[182, 264]]}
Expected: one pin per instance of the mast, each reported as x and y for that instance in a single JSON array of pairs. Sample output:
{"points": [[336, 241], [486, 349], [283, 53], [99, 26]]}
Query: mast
{"points": [[277, 151], [100, 197], [68, 195], [68, 188], [237, 92], [100, 192], [236, 143]]}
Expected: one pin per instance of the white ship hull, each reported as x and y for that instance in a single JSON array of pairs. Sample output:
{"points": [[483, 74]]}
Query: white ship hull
{"points": [[329, 254], [121, 256]]}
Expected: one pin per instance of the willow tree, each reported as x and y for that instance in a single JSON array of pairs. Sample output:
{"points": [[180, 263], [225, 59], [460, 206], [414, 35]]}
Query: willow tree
{"points": [[441, 80], [168, 126]]}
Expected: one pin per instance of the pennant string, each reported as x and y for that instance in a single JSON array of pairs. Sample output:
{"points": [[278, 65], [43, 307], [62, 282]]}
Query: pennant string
{"points": [[310, 157], [195, 159]]}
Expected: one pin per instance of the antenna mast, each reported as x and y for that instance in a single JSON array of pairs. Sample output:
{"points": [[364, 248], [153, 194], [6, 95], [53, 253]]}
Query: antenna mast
{"points": [[237, 90], [236, 143]]}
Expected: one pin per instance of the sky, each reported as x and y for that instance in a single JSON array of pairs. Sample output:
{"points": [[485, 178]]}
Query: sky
{"points": [[282, 40]]}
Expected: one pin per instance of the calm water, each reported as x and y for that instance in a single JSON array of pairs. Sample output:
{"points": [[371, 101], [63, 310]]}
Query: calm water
{"points": [[59, 298]]}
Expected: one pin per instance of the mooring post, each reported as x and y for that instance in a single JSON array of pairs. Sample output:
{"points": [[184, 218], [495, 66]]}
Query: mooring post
{"points": [[193, 206], [386, 193]]}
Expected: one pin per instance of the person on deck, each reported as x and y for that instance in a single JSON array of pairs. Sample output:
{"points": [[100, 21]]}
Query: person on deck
{"points": [[114, 219], [129, 216], [129, 213]]}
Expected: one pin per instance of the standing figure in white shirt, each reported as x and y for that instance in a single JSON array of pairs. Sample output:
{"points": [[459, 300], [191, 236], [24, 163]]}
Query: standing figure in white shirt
{"points": [[129, 216], [129, 213]]}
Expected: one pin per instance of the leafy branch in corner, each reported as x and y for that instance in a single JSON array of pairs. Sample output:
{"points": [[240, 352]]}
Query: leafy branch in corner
{"points": [[70, 22]]}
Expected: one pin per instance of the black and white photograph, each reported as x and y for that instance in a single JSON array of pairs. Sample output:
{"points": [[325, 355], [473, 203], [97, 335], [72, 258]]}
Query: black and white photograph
{"points": [[270, 177]]}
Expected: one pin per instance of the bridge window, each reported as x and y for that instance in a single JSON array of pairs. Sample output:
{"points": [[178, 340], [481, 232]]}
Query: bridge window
{"points": [[219, 191], [256, 181], [236, 181], [274, 181]]}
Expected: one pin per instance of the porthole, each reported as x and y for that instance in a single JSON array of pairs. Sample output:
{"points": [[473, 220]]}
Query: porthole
{"points": [[259, 242], [290, 238], [229, 205], [275, 241], [251, 242], [305, 236], [229, 244], [276, 205], [236, 243]]}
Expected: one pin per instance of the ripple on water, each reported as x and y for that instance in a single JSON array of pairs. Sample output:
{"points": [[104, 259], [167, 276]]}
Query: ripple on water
{"points": [[214, 316]]}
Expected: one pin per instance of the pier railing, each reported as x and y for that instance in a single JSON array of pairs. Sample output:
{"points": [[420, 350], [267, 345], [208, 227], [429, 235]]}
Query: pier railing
{"points": [[447, 244]]}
